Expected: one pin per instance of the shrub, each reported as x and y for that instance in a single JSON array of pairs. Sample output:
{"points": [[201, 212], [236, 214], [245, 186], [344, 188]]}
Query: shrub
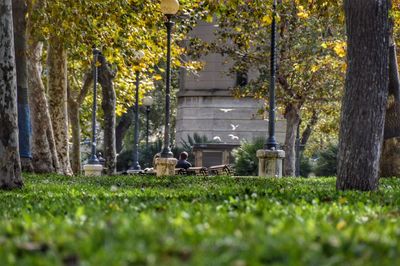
{"points": [[305, 166], [327, 161], [246, 161]]}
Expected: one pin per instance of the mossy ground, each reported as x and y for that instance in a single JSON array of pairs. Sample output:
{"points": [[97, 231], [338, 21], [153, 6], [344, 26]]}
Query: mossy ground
{"points": [[127, 220]]}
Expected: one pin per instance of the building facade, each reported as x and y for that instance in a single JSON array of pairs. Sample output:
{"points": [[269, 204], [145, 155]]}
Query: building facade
{"points": [[206, 106]]}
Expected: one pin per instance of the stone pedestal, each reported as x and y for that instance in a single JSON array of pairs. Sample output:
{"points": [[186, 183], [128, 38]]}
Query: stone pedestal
{"points": [[270, 162], [92, 169], [165, 166]]}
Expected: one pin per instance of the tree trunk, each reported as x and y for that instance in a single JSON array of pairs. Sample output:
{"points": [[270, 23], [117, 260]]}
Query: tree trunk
{"points": [[42, 132], [74, 103], [10, 166], [292, 122], [390, 160], [122, 128], [390, 164], [73, 110], [106, 77], [366, 89], [24, 123], [309, 128], [57, 89]]}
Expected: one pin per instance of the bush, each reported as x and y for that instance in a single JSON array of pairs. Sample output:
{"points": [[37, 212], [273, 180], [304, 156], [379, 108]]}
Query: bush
{"points": [[184, 220], [124, 159], [305, 166], [327, 161], [246, 161]]}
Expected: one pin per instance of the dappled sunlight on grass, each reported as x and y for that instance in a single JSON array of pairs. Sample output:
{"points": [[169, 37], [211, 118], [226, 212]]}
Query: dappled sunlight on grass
{"points": [[197, 220]]}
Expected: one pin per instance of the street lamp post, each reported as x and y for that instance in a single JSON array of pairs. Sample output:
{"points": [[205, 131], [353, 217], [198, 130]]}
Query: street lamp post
{"points": [[93, 158], [147, 102], [93, 167], [168, 8], [136, 166], [271, 157], [271, 143]]}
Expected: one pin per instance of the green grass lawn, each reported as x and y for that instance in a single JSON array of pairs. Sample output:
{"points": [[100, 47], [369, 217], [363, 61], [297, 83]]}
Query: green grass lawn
{"points": [[198, 221]]}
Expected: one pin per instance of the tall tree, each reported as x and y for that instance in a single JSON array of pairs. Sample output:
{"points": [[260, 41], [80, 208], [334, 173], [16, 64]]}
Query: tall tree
{"points": [[75, 100], [44, 154], [10, 166], [57, 91], [20, 44], [365, 98], [106, 77]]}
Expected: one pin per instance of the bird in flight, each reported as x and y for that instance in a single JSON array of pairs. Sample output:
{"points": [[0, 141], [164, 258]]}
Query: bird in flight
{"points": [[217, 138], [233, 137], [234, 127], [226, 110]]}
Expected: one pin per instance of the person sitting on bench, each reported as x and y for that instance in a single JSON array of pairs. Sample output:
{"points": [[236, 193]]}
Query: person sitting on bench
{"points": [[183, 163]]}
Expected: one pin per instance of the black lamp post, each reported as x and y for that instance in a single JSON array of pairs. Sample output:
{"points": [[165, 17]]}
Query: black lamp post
{"points": [[272, 144], [93, 158], [147, 102], [168, 8], [135, 165]]}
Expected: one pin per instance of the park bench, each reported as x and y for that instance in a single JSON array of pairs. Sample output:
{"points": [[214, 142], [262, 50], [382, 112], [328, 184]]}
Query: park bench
{"points": [[223, 169], [192, 171]]}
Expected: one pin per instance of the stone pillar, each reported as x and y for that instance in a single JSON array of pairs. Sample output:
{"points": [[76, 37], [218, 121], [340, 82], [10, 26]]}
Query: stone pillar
{"points": [[270, 162], [92, 169], [165, 166]]}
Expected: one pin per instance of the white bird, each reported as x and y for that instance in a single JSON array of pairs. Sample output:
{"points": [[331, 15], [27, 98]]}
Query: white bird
{"points": [[234, 127], [233, 137], [217, 138], [226, 110]]}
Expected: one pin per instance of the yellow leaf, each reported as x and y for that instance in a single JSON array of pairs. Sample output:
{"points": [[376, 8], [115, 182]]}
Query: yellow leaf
{"points": [[158, 77], [314, 68], [342, 200], [340, 49], [341, 225], [267, 20], [303, 14]]}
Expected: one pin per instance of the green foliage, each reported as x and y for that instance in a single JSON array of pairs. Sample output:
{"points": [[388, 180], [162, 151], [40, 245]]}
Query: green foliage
{"points": [[124, 159], [327, 161], [246, 161], [187, 145], [305, 166], [127, 220]]}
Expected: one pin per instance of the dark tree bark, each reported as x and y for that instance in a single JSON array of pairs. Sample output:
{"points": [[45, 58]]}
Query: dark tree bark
{"points": [[292, 122], [106, 77], [74, 103], [57, 90], [366, 90], [122, 128], [10, 166], [20, 44]]}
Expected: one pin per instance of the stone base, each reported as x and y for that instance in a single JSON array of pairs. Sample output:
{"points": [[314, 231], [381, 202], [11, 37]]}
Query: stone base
{"points": [[270, 162], [92, 169], [165, 166]]}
